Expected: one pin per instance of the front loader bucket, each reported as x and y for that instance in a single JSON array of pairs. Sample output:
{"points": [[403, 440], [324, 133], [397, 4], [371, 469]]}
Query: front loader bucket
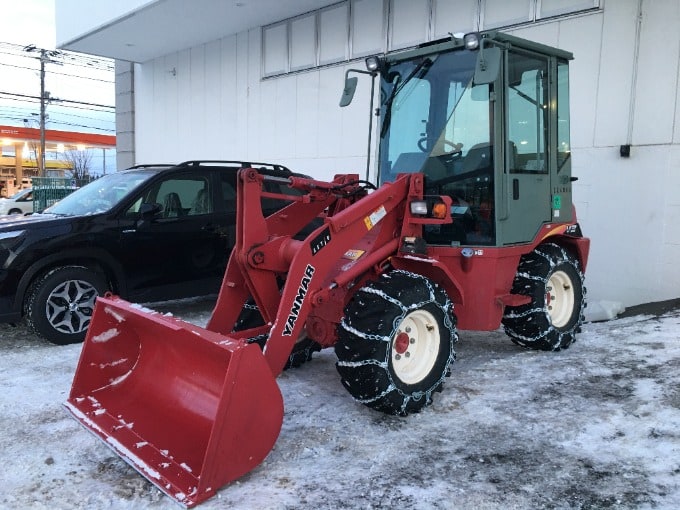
{"points": [[190, 409]]}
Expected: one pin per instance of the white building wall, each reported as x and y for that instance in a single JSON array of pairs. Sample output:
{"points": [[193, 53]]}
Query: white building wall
{"points": [[210, 101]]}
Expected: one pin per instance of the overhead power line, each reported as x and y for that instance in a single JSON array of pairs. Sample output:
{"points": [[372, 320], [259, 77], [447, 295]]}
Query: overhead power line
{"points": [[109, 109], [57, 100], [58, 73], [27, 110], [55, 123], [62, 56]]}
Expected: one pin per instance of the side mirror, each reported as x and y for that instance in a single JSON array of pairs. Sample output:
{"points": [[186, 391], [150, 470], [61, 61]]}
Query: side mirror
{"points": [[348, 91], [147, 213], [488, 65], [148, 210]]}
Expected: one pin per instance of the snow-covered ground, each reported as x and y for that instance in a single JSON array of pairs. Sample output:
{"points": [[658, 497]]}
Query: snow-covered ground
{"points": [[595, 426]]}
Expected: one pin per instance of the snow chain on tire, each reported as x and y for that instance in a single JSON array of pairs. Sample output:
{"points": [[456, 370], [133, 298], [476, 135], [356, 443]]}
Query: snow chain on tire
{"points": [[395, 343], [552, 277]]}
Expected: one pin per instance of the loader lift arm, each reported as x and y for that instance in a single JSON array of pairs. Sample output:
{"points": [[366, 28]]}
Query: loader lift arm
{"points": [[214, 392], [267, 249]]}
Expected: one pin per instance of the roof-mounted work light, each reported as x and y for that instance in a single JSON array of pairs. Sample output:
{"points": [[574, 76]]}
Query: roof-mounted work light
{"points": [[471, 41], [374, 63]]}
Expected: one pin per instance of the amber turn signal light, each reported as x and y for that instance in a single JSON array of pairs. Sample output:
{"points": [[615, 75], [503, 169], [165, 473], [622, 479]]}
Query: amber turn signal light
{"points": [[439, 210]]}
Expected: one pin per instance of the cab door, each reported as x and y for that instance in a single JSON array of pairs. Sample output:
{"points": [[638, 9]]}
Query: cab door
{"points": [[526, 178]]}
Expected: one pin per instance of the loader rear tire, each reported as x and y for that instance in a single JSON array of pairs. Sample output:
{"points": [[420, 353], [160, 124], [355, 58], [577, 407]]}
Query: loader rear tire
{"points": [[552, 276], [395, 343], [59, 304]]}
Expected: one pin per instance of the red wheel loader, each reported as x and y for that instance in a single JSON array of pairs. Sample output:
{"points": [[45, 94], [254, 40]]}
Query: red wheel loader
{"points": [[471, 227]]}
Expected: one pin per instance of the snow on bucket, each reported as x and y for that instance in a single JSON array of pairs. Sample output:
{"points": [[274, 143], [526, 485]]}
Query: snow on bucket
{"points": [[190, 409]]}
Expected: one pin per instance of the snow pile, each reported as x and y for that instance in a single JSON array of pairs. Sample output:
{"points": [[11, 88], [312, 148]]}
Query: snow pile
{"points": [[594, 426], [603, 310]]}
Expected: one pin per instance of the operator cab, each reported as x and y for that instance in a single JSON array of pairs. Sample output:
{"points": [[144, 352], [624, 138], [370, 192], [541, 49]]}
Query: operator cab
{"points": [[486, 120]]}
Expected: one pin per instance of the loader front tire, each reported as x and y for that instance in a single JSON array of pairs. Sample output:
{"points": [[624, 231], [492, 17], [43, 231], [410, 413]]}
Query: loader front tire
{"points": [[59, 304], [395, 343], [552, 277]]}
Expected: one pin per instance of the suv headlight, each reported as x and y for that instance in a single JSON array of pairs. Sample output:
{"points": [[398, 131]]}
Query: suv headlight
{"points": [[4, 236], [9, 239]]}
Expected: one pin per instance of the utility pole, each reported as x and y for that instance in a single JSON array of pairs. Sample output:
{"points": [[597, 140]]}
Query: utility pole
{"points": [[45, 57], [41, 164]]}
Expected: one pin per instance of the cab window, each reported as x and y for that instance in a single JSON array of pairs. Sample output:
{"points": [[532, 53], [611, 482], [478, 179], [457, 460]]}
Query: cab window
{"points": [[527, 113]]}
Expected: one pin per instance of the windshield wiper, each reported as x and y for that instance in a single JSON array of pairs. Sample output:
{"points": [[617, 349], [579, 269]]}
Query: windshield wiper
{"points": [[527, 97], [420, 70]]}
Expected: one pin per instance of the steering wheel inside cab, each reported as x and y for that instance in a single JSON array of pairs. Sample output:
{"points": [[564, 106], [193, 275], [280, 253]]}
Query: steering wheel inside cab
{"points": [[445, 147]]}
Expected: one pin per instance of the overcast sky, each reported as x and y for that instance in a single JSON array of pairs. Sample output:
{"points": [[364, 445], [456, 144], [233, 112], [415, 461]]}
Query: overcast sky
{"points": [[28, 22], [32, 22]]}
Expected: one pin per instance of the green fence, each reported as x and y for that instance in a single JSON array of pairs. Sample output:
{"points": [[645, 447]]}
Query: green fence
{"points": [[49, 190]]}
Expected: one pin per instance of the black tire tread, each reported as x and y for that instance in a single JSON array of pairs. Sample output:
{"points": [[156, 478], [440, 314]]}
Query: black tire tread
{"points": [[364, 342], [530, 325]]}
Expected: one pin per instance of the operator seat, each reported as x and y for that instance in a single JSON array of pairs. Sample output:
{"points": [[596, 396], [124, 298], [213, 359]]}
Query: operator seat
{"points": [[479, 158]]}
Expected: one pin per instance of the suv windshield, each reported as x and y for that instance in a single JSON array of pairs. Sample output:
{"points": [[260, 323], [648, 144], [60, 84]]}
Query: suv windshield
{"points": [[99, 196]]}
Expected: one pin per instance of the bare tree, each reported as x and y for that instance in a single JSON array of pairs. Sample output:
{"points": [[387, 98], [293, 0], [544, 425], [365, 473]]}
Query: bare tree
{"points": [[78, 162], [33, 148]]}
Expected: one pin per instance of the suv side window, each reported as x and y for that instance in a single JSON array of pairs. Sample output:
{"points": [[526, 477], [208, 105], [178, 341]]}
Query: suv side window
{"points": [[269, 205], [180, 196], [274, 204]]}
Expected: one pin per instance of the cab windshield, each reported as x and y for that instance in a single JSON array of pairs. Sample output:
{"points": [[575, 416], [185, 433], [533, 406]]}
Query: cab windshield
{"points": [[430, 109]]}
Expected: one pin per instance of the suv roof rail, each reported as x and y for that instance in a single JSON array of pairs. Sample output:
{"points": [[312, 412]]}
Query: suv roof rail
{"points": [[240, 164], [152, 165]]}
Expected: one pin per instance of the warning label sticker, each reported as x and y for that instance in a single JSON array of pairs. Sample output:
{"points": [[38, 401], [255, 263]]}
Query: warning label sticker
{"points": [[373, 219], [353, 254]]}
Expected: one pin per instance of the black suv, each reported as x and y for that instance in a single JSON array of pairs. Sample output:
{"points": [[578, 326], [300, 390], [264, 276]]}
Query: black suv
{"points": [[149, 233]]}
